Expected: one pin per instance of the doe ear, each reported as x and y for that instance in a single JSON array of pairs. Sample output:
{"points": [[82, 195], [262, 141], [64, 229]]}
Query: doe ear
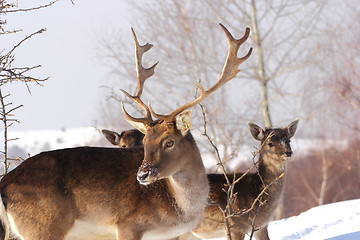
{"points": [[112, 137], [139, 126], [256, 131], [291, 128], [183, 122]]}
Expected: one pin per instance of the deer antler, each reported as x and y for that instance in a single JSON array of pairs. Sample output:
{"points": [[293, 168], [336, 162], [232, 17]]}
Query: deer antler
{"points": [[229, 72], [142, 74]]}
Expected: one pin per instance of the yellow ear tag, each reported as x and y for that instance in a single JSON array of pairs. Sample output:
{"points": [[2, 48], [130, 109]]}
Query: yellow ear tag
{"points": [[183, 121]]}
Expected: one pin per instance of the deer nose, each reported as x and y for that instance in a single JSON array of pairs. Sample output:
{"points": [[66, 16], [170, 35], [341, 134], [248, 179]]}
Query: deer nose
{"points": [[288, 154], [142, 175]]}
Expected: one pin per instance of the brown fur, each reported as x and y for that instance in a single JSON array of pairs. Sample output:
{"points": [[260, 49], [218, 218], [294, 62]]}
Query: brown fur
{"points": [[135, 135], [48, 192]]}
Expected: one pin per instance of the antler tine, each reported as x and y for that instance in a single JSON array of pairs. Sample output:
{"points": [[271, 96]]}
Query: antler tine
{"points": [[169, 118], [147, 119], [229, 72], [141, 74], [232, 63]]}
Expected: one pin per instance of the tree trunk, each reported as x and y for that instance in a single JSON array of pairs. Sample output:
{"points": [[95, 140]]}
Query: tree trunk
{"points": [[260, 67]]}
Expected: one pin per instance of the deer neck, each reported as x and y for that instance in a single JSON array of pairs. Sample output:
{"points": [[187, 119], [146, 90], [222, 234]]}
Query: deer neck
{"points": [[272, 168], [189, 186]]}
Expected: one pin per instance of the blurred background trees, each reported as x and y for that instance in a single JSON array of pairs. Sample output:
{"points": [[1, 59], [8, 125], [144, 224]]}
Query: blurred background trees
{"points": [[331, 171], [190, 47], [305, 64], [328, 174]]}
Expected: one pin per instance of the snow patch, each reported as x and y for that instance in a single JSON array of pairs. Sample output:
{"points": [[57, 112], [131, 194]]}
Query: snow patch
{"points": [[323, 222]]}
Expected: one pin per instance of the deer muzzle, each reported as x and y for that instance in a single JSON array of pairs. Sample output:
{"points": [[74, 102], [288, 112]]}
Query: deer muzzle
{"points": [[147, 174], [288, 153]]}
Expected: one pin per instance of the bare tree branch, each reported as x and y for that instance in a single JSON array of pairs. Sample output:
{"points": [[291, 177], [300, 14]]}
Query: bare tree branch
{"points": [[5, 9]]}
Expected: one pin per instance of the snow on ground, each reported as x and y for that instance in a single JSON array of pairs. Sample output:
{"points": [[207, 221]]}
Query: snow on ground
{"points": [[336, 221], [43, 140], [30, 143], [332, 221]]}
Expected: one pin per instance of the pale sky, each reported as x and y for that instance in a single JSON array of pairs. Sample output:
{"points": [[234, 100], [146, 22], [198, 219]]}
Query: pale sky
{"points": [[66, 52]]}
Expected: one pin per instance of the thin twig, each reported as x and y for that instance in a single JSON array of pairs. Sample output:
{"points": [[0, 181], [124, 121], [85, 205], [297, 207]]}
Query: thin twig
{"points": [[227, 210], [23, 40], [28, 9]]}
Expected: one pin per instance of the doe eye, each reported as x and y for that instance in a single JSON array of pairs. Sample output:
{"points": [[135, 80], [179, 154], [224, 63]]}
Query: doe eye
{"points": [[169, 144], [270, 144]]}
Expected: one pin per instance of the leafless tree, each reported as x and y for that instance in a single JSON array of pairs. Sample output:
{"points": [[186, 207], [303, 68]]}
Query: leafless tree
{"points": [[188, 52], [331, 106], [9, 73], [190, 49], [332, 91], [326, 177]]}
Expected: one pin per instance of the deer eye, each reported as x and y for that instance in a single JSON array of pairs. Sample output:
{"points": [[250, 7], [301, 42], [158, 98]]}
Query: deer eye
{"points": [[169, 144], [270, 144], [123, 146]]}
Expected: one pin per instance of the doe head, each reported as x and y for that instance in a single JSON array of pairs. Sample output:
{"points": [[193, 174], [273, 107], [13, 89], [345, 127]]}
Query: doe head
{"points": [[126, 139], [275, 142]]}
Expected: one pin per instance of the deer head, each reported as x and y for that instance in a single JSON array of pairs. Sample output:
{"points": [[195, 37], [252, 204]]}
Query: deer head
{"points": [[166, 139], [126, 139], [275, 142]]}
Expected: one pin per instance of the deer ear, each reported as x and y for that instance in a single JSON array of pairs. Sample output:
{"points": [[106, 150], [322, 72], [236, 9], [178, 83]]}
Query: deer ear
{"points": [[112, 137], [183, 122], [292, 127], [139, 126], [256, 131]]}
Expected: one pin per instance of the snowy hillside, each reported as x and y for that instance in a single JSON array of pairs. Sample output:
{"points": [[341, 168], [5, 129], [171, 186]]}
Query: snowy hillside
{"points": [[34, 142], [30, 143]]}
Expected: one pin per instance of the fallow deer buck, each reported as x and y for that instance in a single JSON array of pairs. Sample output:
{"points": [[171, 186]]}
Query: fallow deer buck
{"points": [[257, 193], [49, 195]]}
